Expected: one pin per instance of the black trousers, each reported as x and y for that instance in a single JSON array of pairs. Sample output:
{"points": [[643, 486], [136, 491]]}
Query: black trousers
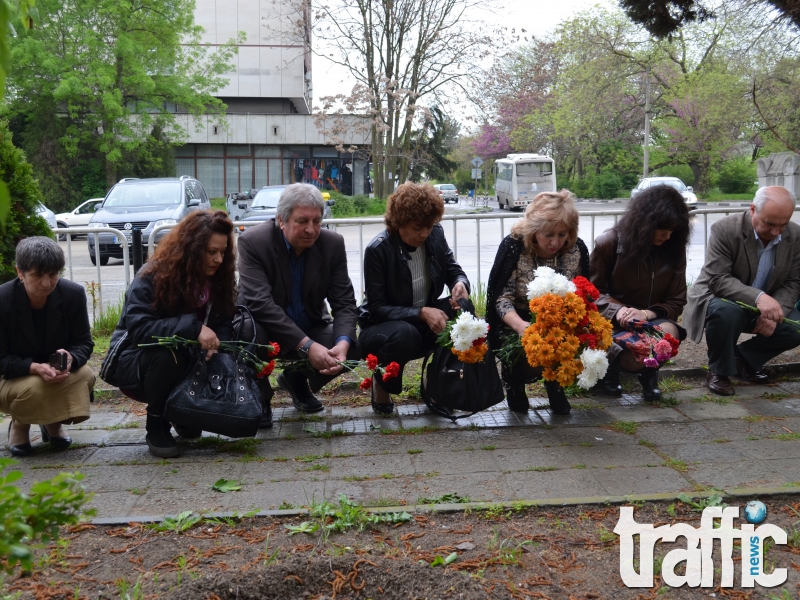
{"points": [[161, 370], [322, 334], [725, 322], [400, 342]]}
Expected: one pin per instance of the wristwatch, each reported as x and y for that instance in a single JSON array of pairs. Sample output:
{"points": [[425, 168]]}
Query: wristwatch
{"points": [[303, 350]]}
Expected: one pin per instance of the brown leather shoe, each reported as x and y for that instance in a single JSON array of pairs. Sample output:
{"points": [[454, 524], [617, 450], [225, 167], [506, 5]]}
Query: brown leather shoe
{"points": [[748, 373], [719, 384]]}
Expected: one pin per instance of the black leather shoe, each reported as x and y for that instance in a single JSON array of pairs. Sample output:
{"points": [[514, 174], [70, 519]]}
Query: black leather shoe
{"points": [[159, 440], [719, 384], [302, 397], [610, 384], [648, 377], [748, 373], [59, 443], [517, 398], [559, 405], [187, 433], [19, 450], [380, 408]]}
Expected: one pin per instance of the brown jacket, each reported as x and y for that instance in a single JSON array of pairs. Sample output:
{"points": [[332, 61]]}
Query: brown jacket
{"points": [[265, 283], [731, 266], [650, 284]]}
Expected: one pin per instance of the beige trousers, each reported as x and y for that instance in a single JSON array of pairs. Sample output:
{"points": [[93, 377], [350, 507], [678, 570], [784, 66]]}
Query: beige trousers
{"points": [[30, 400]]}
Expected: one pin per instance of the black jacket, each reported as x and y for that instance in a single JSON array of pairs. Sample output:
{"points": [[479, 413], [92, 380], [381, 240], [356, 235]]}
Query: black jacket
{"points": [[142, 322], [67, 327], [389, 295]]}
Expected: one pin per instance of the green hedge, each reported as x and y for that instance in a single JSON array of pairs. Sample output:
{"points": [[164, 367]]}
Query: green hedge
{"points": [[356, 206]]}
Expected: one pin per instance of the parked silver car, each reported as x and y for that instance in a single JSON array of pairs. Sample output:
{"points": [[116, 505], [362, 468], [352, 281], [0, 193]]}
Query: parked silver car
{"points": [[47, 214], [686, 191], [448, 192], [265, 204], [143, 204]]}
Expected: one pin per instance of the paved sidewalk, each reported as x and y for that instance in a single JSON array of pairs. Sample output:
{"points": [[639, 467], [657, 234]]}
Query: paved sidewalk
{"points": [[607, 447]]}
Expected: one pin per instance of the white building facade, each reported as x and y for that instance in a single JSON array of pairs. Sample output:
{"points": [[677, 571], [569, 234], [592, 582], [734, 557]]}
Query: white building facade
{"points": [[268, 136]]}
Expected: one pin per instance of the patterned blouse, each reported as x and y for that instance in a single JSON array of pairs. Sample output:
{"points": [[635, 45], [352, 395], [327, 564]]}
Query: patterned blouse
{"points": [[515, 292]]}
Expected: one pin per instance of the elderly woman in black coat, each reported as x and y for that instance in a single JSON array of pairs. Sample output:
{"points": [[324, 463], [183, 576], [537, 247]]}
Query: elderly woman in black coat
{"points": [[405, 269], [45, 341]]}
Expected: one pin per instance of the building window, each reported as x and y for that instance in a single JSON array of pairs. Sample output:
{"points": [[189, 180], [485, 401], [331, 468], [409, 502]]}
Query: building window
{"points": [[210, 172]]}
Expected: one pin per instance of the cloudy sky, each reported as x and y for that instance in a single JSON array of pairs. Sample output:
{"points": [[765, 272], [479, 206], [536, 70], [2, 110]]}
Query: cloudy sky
{"points": [[536, 16]]}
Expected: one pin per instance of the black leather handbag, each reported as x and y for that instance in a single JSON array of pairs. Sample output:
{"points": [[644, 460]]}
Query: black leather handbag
{"points": [[219, 395], [449, 384]]}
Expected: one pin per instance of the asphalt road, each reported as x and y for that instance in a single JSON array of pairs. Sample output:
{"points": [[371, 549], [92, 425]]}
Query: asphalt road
{"points": [[476, 258]]}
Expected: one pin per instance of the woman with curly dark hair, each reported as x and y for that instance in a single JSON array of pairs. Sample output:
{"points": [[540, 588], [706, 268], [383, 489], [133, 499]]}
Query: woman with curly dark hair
{"points": [[405, 270], [188, 289], [639, 267], [546, 236]]}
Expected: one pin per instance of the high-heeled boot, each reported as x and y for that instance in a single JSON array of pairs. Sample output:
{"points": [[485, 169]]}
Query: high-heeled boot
{"points": [[516, 397], [648, 377], [610, 384], [559, 405], [159, 439]]}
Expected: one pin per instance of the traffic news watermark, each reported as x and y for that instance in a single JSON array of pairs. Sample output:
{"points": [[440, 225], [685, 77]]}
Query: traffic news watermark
{"points": [[698, 551]]}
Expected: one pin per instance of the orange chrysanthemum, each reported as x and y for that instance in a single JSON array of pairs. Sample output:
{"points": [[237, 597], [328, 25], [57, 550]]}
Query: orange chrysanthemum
{"points": [[473, 355]]}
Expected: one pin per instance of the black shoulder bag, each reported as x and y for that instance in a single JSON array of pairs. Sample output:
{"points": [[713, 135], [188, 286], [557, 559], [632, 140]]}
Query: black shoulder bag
{"points": [[219, 395], [449, 384]]}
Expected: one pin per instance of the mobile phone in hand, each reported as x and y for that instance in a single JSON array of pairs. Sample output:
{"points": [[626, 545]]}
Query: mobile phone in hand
{"points": [[58, 360]]}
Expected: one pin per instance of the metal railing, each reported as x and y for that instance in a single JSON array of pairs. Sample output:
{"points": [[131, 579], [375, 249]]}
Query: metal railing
{"points": [[360, 222], [68, 232]]}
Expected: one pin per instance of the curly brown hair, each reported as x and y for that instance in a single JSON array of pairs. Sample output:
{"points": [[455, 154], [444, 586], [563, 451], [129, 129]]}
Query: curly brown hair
{"points": [[178, 265], [413, 203]]}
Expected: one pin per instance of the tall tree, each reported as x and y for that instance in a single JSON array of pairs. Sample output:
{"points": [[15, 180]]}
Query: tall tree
{"points": [[117, 70], [402, 54]]}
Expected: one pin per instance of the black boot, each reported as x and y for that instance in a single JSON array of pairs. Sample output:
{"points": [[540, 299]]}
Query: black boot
{"points": [[648, 377], [159, 439], [559, 405], [267, 392], [517, 397], [610, 383]]}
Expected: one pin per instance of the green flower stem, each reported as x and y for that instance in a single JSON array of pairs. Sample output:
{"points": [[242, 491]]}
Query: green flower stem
{"points": [[754, 309]]}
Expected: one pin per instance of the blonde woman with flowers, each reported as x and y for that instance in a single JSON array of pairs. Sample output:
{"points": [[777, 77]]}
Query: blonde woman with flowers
{"points": [[546, 236]]}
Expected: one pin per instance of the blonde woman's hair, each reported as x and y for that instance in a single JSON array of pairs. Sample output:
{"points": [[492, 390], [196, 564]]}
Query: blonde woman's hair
{"points": [[548, 211]]}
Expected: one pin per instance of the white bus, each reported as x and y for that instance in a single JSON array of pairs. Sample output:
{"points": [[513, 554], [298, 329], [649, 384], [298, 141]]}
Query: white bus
{"points": [[520, 177]]}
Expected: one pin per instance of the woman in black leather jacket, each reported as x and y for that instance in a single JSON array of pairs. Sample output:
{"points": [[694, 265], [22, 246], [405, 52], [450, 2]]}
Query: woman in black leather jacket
{"points": [[188, 289], [405, 269]]}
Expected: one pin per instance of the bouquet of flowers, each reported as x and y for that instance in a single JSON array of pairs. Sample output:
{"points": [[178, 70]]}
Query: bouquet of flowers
{"points": [[466, 338], [649, 343], [235, 347], [567, 336], [388, 372]]}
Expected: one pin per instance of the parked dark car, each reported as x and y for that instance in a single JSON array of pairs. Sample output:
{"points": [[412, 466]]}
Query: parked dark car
{"points": [[143, 204], [265, 204]]}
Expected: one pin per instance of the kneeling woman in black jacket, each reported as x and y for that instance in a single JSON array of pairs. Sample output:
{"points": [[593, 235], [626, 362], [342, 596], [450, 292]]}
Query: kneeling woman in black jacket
{"points": [[188, 289], [405, 270]]}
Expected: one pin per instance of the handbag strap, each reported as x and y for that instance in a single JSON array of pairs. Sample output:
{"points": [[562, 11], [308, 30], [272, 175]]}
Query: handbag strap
{"points": [[244, 314], [208, 312]]}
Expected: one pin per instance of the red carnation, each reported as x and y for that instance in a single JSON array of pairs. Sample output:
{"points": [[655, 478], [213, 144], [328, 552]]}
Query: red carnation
{"points": [[478, 342], [372, 362], [266, 369], [276, 349], [391, 370], [586, 289], [584, 322], [674, 343], [591, 307], [366, 383], [588, 339]]}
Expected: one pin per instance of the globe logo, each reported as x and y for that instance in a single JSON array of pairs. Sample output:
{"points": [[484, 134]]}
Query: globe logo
{"points": [[755, 512]]}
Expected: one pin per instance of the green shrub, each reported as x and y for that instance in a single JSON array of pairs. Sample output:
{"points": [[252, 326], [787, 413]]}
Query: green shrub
{"points": [[737, 176], [682, 172], [27, 520], [607, 185], [356, 206], [22, 219], [582, 188]]}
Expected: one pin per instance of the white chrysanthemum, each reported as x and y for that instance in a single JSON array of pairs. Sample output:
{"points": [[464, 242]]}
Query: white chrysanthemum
{"points": [[547, 281], [466, 330], [595, 365]]}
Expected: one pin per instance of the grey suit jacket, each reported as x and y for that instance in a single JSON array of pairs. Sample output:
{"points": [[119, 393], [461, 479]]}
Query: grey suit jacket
{"points": [[731, 266], [265, 283]]}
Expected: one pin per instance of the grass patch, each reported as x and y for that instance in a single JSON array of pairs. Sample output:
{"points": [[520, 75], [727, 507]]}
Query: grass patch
{"points": [[130, 425], [628, 427], [105, 320], [785, 437], [242, 446], [579, 466], [415, 451], [774, 396], [303, 418], [355, 478], [488, 447], [411, 430], [721, 441], [542, 469], [218, 204], [677, 464], [316, 467], [451, 498], [587, 406], [666, 402], [672, 384], [647, 443]]}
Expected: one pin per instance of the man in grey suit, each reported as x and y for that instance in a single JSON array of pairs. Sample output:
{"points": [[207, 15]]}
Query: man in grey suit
{"points": [[754, 258], [288, 268]]}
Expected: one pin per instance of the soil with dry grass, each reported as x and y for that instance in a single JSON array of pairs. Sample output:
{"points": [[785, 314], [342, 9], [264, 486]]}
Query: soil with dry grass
{"points": [[567, 553]]}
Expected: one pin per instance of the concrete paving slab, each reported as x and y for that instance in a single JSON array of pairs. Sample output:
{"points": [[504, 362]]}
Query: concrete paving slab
{"points": [[781, 408], [647, 414], [604, 455], [490, 487], [525, 459], [672, 433], [451, 463], [566, 483], [787, 468], [580, 418], [273, 472], [729, 475], [171, 502], [641, 480], [746, 390], [113, 503], [393, 491], [767, 448], [118, 479], [202, 475], [704, 411], [706, 452], [373, 466]]}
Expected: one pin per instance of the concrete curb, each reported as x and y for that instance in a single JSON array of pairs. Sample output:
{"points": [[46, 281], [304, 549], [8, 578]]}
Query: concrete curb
{"points": [[454, 508]]}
